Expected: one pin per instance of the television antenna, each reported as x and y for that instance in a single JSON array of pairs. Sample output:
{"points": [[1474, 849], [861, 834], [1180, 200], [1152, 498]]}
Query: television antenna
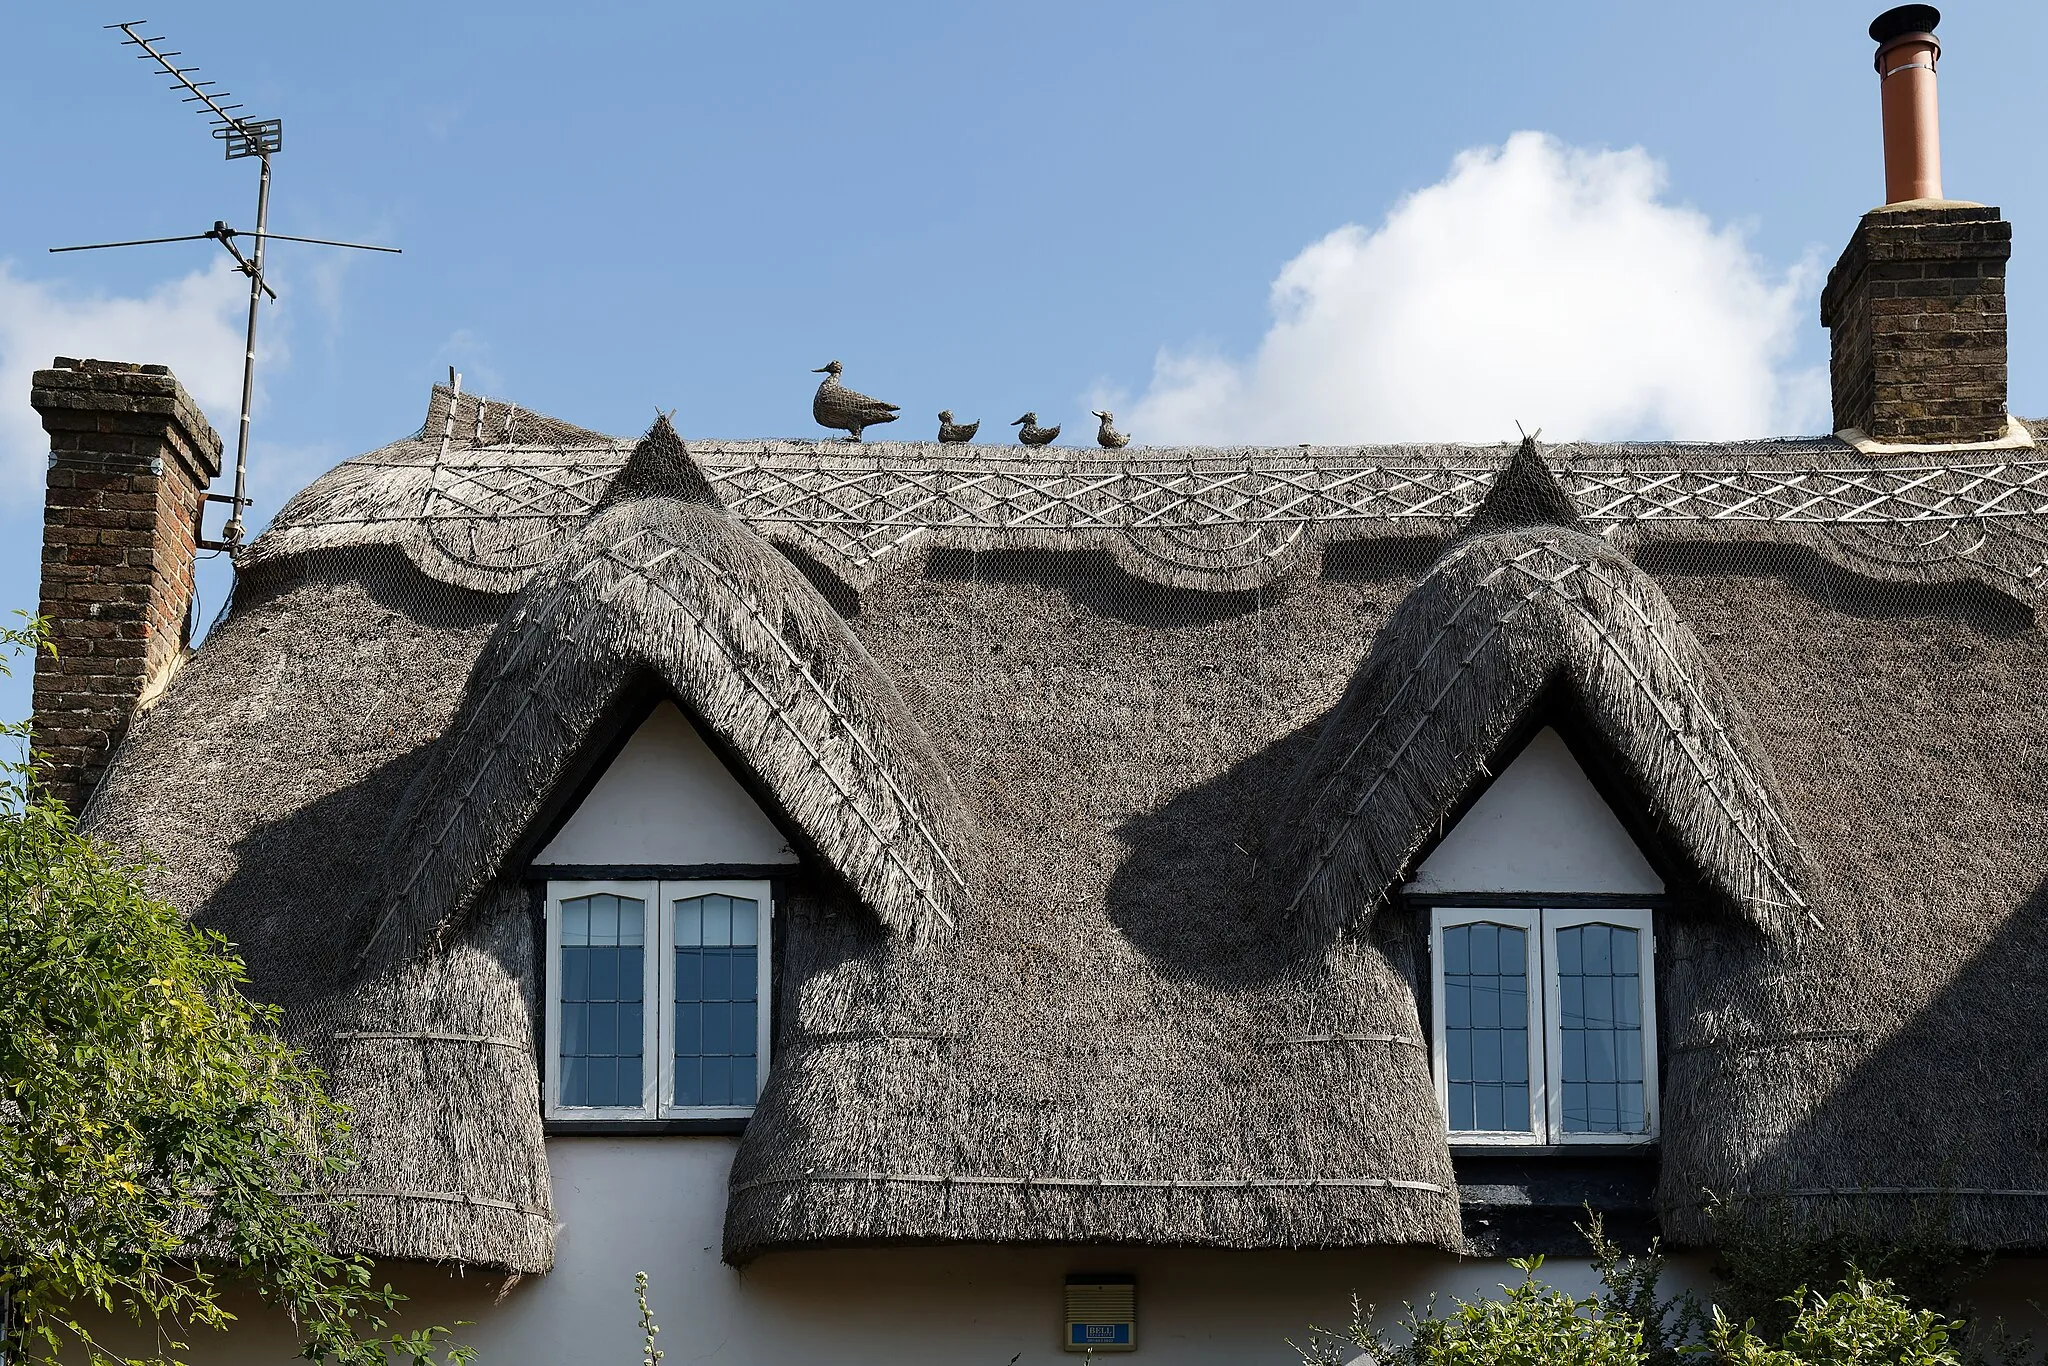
{"points": [[241, 137]]}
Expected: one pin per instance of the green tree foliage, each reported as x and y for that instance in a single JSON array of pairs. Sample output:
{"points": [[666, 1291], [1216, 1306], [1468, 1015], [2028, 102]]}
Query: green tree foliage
{"points": [[1762, 1254], [1865, 1323], [158, 1142], [1532, 1325]]}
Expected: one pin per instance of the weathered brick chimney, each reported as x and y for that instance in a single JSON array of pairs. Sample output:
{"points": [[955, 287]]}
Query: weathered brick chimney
{"points": [[1915, 309], [131, 457]]}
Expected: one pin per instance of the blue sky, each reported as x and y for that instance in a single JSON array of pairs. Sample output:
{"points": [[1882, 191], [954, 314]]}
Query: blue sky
{"points": [[615, 208]]}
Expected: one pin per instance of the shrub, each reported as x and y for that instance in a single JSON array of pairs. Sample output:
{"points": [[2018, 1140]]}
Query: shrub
{"points": [[1533, 1325], [1865, 1323], [1765, 1260], [157, 1139]]}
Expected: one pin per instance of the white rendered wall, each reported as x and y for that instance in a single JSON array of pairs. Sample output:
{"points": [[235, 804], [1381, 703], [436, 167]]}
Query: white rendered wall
{"points": [[658, 1205], [667, 799], [1540, 827]]}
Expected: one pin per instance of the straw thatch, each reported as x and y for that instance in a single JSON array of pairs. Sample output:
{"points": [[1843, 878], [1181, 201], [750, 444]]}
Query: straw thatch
{"points": [[484, 513], [264, 781], [1828, 732], [1526, 610], [478, 498], [426, 1056], [663, 585], [1886, 1072], [1115, 1049]]}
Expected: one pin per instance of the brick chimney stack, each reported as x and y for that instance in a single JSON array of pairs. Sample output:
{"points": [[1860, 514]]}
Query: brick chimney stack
{"points": [[1915, 308], [131, 457]]}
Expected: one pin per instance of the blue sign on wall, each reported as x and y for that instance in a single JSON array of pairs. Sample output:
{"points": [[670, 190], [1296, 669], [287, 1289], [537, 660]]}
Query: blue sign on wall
{"points": [[1100, 1334]]}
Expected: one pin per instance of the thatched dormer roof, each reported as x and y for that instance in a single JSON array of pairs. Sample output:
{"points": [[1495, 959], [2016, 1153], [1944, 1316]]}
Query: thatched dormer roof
{"points": [[1813, 679], [1525, 612], [662, 587]]}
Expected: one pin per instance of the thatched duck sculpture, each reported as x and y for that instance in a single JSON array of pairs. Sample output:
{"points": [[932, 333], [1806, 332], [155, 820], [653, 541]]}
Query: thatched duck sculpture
{"points": [[954, 433], [1108, 437], [1033, 434], [841, 408]]}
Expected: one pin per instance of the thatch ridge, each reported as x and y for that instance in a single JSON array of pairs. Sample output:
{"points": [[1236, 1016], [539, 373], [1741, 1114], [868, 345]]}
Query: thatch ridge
{"points": [[673, 588], [1498, 623], [1525, 493], [478, 420], [483, 503]]}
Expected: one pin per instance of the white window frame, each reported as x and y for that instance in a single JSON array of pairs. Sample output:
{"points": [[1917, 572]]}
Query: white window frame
{"points": [[1546, 1028], [646, 893], [1441, 919], [672, 892], [1564, 918], [657, 1016]]}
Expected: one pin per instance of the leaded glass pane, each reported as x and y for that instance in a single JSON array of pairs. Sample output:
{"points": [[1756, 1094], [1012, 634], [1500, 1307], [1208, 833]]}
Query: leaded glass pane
{"points": [[1486, 1027], [1600, 1025], [717, 1000], [602, 971]]}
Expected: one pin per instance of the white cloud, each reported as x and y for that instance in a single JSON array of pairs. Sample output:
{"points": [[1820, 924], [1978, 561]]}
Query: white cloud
{"points": [[192, 324], [1536, 282]]}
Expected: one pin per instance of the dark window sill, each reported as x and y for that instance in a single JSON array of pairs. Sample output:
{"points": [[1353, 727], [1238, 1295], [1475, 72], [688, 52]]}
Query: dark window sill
{"points": [[1593, 1151], [642, 1128], [1521, 1201]]}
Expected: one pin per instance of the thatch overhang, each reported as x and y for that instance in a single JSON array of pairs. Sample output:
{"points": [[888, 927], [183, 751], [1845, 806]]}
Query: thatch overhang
{"points": [[1524, 608], [262, 782], [909, 1107], [663, 584]]}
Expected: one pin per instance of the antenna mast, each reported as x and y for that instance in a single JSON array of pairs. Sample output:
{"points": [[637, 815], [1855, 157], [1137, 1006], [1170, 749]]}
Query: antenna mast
{"points": [[241, 137]]}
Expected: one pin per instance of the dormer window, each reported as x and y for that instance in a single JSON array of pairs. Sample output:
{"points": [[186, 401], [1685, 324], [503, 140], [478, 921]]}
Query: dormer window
{"points": [[658, 999], [660, 918], [1545, 1024], [1542, 983]]}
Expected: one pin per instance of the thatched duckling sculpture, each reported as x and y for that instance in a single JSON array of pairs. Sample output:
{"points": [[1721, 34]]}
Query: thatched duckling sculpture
{"points": [[1033, 434], [954, 433], [1108, 437], [839, 407]]}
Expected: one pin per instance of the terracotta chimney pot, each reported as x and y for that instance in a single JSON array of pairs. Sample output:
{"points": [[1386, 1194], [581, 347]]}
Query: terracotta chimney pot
{"points": [[1907, 53]]}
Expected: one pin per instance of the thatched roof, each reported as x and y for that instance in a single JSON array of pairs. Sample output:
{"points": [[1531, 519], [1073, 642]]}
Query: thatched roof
{"points": [[264, 781], [1525, 613], [662, 587], [1811, 681]]}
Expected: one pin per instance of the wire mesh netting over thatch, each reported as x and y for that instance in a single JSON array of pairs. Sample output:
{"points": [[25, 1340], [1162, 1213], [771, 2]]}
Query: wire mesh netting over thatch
{"points": [[1106, 776]]}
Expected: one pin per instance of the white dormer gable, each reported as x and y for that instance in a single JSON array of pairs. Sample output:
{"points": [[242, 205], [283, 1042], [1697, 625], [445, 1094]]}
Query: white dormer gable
{"points": [[1540, 827], [667, 800]]}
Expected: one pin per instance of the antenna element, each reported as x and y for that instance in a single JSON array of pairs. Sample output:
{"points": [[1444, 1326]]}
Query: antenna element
{"points": [[240, 137]]}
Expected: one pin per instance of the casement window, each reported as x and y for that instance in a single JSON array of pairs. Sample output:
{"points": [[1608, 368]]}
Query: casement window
{"points": [[1544, 1024], [657, 999]]}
